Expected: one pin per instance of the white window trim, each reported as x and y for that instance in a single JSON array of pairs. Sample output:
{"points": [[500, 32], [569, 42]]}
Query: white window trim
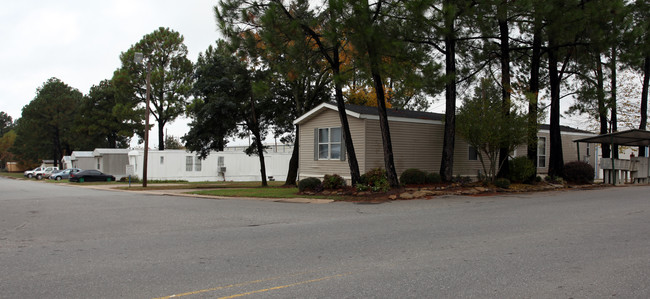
{"points": [[329, 144]]}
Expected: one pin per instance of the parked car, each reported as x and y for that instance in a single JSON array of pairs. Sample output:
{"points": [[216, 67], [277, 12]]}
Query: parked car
{"points": [[30, 173], [91, 176], [63, 174], [45, 172]]}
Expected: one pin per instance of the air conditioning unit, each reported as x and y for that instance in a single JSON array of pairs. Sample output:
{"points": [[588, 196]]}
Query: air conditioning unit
{"points": [[222, 169]]}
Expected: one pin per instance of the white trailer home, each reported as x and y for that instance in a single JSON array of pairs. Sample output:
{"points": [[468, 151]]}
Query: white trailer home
{"points": [[227, 165]]}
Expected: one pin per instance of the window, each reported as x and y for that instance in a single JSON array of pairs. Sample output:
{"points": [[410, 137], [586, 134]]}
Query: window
{"points": [[473, 154], [220, 162], [162, 160], [329, 145], [541, 152], [189, 163], [197, 164], [98, 164]]}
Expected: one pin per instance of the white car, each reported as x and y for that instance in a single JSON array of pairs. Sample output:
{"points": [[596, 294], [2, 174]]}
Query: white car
{"points": [[45, 172], [30, 173]]}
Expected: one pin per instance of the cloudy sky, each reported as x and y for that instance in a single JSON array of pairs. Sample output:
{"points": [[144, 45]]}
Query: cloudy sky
{"points": [[80, 42]]}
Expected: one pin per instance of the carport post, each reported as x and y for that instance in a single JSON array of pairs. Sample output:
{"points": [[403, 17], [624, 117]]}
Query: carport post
{"points": [[613, 174], [578, 146]]}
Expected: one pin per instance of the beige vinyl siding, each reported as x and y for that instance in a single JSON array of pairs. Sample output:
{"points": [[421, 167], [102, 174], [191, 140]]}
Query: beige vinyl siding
{"points": [[569, 149], [463, 166], [416, 145], [318, 168]]}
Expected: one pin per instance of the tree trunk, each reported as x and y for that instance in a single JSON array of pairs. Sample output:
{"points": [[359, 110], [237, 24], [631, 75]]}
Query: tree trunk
{"points": [[355, 176], [644, 100], [533, 127], [506, 89], [556, 159], [161, 136], [602, 107], [614, 125], [447, 161], [255, 129], [389, 162], [292, 174]]}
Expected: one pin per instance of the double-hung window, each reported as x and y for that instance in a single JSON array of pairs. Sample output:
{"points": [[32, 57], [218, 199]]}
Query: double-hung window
{"points": [[541, 152], [472, 154], [188, 163], [329, 144]]}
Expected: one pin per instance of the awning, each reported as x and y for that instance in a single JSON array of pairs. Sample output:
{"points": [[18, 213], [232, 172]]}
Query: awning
{"points": [[634, 137]]}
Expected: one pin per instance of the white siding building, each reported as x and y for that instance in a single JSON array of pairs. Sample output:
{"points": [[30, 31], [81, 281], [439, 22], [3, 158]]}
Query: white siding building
{"points": [[228, 165]]}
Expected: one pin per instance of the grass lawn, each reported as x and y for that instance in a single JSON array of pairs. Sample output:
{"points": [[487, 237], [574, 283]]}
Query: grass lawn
{"points": [[12, 174], [199, 185], [261, 192]]}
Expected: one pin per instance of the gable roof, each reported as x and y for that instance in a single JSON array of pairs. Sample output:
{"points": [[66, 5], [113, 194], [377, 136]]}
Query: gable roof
{"points": [[367, 112], [81, 154], [102, 151]]}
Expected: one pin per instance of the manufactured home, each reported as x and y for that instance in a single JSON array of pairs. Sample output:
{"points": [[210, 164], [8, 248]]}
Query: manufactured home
{"points": [[227, 165], [417, 139]]}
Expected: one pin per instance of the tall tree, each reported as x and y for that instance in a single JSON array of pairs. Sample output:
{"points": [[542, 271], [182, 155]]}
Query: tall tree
{"points": [[45, 129], [107, 117], [563, 32], [300, 77], [636, 55], [227, 98], [444, 24], [6, 123], [326, 32], [165, 57], [369, 31], [7, 140]]}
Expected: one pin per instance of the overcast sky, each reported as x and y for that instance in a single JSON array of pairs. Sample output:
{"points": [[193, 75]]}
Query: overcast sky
{"points": [[80, 42]]}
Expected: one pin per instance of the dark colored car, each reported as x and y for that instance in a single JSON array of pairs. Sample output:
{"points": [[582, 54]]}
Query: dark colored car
{"points": [[63, 174], [91, 176]]}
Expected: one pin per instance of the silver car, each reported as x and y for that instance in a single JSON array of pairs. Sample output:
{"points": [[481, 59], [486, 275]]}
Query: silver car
{"points": [[63, 174]]}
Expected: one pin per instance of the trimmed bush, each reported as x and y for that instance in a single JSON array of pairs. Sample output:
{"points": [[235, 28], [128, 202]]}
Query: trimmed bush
{"points": [[375, 180], [309, 184], [521, 170], [413, 176], [578, 172], [502, 183], [334, 181], [433, 178]]}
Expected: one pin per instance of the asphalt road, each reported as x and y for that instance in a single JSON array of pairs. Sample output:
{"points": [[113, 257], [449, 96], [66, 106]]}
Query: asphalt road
{"points": [[69, 242]]}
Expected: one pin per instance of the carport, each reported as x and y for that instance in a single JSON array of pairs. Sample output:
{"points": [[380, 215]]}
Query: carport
{"points": [[614, 169]]}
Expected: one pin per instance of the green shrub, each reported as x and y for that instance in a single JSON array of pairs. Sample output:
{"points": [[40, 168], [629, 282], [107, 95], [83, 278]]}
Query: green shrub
{"points": [[413, 176], [502, 183], [310, 184], [521, 170], [579, 172], [334, 181], [433, 178], [375, 180]]}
